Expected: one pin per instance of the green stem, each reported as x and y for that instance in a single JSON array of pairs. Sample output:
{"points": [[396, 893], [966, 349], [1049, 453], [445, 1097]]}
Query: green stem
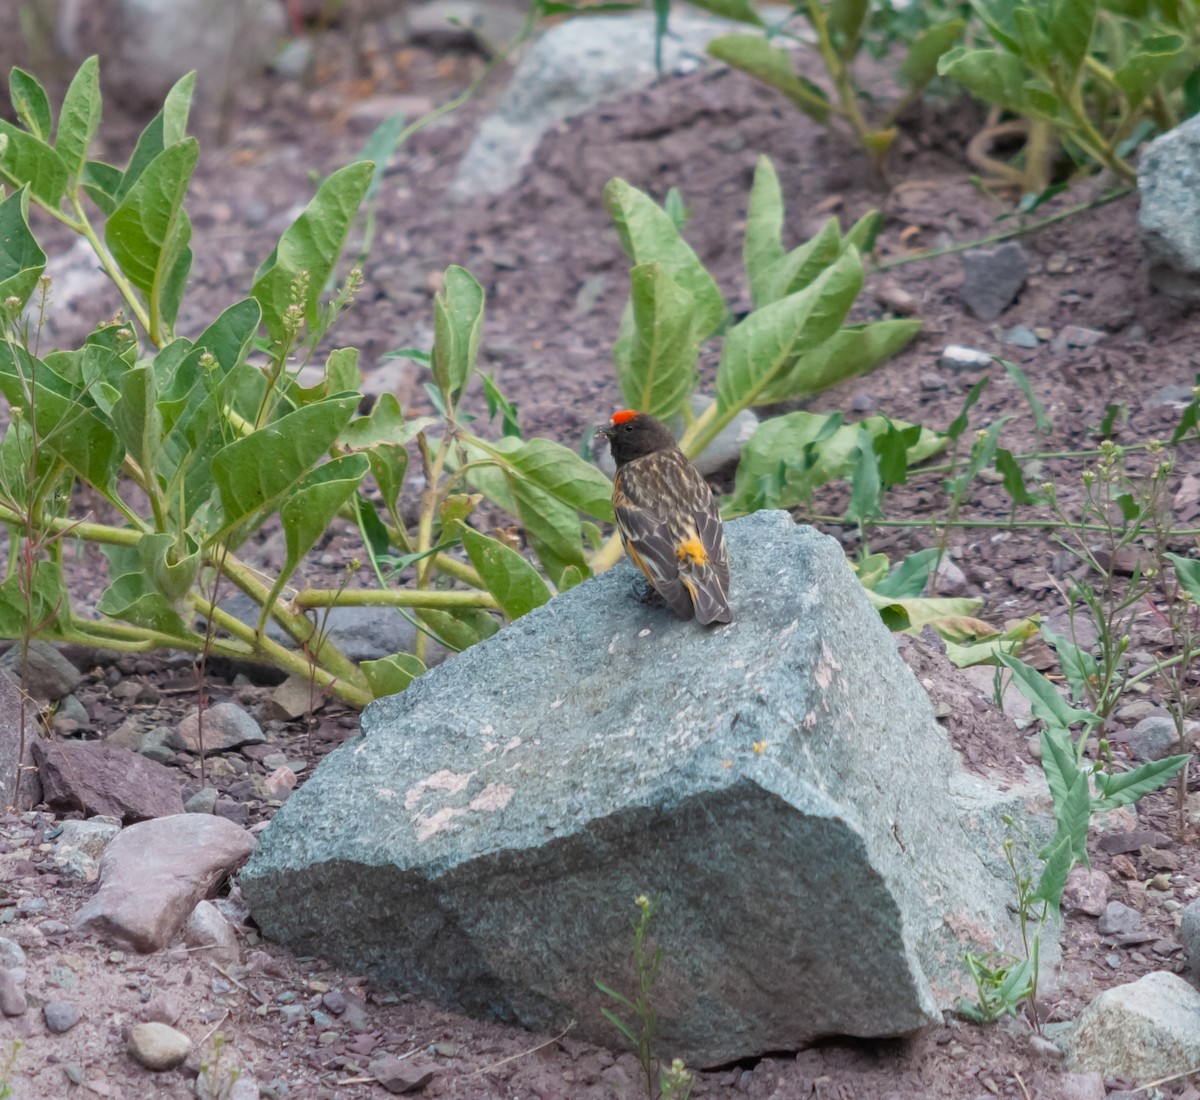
{"points": [[84, 227], [1031, 227], [392, 597], [988, 524]]}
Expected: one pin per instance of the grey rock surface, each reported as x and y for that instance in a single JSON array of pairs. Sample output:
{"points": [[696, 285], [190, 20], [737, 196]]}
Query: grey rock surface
{"points": [[16, 750], [48, 675], [158, 1047], [102, 780], [226, 726], [1153, 738], [992, 278], [1169, 210], [1144, 1030], [573, 67], [778, 786], [1189, 933], [80, 844]]}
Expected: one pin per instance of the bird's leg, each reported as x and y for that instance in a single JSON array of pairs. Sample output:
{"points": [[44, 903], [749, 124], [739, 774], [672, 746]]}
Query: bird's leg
{"points": [[645, 592]]}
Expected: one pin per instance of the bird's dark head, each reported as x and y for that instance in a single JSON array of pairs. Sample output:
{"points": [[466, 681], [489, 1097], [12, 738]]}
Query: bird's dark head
{"points": [[632, 434]]}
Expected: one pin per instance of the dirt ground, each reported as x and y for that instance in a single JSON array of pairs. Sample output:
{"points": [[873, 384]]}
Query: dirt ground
{"points": [[556, 281]]}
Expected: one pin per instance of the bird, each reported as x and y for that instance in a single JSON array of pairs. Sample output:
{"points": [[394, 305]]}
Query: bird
{"points": [[668, 519]]}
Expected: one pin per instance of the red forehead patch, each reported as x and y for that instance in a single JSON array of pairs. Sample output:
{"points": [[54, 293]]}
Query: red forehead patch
{"points": [[623, 415]]}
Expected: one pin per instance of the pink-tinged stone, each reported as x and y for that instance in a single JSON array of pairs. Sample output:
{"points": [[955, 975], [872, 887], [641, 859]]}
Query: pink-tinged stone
{"points": [[153, 874], [100, 779]]}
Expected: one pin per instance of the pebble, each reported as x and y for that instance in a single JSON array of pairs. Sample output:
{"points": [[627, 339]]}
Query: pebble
{"points": [[12, 996], [1076, 336], [1171, 395], [959, 357], [1021, 336], [1152, 738], [204, 801], [12, 957], [158, 1047], [1118, 918], [931, 382], [292, 1014], [60, 1016]]}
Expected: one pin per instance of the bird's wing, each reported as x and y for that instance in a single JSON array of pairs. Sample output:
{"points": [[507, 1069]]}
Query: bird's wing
{"points": [[707, 577], [651, 546]]}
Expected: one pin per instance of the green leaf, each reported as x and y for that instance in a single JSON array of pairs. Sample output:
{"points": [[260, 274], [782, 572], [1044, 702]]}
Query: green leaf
{"points": [[258, 470], [1044, 698], [21, 260], [312, 243], [132, 599], [385, 424], [1078, 665], [991, 75], [1035, 41], [80, 118], [1187, 573], [559, 471], [228, 337], [920, 66], [167, 128], [47, 601], [389, 463], [863, 233], [846, 21], [137, 418], [310, 508], [1069, 845], [865, 486], [517, 586], [1141, 72], [754, 55], [741, 11], [391, 675], [797, 269], [31, 104], [1070, 32], [959, 424], [101, 182], [149, 232], [759, 351], [649, 236], [1040, 419], [171, 572], [764, 229], [457, 324], [656, 363], [1125, 788], [461, 628], [27, 160], [849, 352], [1014, 480], [910, 577]]}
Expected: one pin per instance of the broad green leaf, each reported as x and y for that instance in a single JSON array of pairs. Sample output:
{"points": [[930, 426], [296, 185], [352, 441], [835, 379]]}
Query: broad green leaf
{"points": [[846, 21], [310, 508], [172, 573], [26, 160], [911, 614], [1040, 419], [1069, 845], [149, 232], [998, 17], [656, 364], [228, 337], [1014, 479], [760, 350], [649, 236], [391, 675], [80, 118], [551, 526], [312, 243], [741, 11], [910, 577], [137, 418], [863, 233], [47, 597], [1035, 41], [991, 75], [384, 424], [920, 65], [167, 128], [764, 229], [1187, 573], [461, 628], [848, 353], [1059, 763], [865, 486], [1044, 698], [1125, 788], [517, 586], [754, 55], [257, 471], [21, 260], [795, 270], [341, 371], [1141, 71], [1070, 32], [559, 471], [131, 599], [101, 182], [457, 324], [31, 104], [389, 463]]}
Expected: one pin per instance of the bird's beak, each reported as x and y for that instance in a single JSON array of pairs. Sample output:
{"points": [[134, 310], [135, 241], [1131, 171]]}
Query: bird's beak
{"points": [[606, 431]]}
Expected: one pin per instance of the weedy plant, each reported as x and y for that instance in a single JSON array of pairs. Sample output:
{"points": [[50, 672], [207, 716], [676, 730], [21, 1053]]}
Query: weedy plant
{"points": [[841, 29], [192, 444], [217, 1077], [7, 1067], [639, 1025]]}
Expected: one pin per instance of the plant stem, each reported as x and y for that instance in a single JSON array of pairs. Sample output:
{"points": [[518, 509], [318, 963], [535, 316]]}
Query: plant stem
{"points": [[84, 227], [392, 597], [934, 253]]}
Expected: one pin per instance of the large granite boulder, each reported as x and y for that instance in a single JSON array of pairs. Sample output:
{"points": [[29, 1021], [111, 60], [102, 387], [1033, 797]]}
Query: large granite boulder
{"points": [[1169, 211], [779, 788]]}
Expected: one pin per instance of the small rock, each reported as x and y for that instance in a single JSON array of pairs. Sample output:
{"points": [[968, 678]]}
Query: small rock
{"points": [[958, 357], [80, 845], [1021, 336], [992, 278], [895, 298], [864, 403], [401, 1075], [12, 957], [931, 382], [156, 745], [949, 579], [226, 726], [293, 699], [48, 674], [60, 1016], [1086, 891], [1152, 738], [1171, 395], [1169, 211], [280, 783], [158, 1047], [105, 781], [1189, 933], [204, 801], [1075, 336], [163, 1009], [1118, 919], [208, 928], [445, 24], [335, 1001], [292, 1014], [1080, 1086], [12, 996]]}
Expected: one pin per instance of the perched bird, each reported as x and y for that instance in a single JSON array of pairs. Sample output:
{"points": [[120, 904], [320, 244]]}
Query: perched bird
{"points": [[667, 518]]}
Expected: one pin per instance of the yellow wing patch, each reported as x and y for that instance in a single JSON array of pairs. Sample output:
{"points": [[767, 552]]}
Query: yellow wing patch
{"points": [[691, 550]]}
